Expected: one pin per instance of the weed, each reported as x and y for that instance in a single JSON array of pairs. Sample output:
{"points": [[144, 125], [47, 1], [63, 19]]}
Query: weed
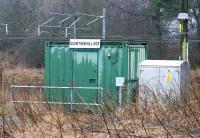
{"points": [[175, 119]]}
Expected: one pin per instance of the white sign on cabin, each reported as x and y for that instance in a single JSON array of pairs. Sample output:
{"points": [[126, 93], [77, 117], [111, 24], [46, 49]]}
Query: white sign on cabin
{"points": [[84, 43]]}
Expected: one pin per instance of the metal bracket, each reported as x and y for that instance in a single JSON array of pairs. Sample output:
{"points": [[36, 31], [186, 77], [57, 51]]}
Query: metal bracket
{"points": [[72, 25], [6, 27]]}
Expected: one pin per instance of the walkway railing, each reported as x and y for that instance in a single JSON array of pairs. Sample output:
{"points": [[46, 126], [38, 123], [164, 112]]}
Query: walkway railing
{"points": [[71, 102]]}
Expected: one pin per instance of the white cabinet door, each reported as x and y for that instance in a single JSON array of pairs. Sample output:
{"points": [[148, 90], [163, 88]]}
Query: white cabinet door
{"points": [[149, 83], [169, 83]]}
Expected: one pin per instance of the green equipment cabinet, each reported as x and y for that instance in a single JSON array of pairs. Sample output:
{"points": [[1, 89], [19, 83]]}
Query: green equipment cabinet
{"points": [[85, 77]]}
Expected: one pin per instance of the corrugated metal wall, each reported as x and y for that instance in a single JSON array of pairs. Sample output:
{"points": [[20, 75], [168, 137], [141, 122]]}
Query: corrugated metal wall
{"points": [[137, 53]]}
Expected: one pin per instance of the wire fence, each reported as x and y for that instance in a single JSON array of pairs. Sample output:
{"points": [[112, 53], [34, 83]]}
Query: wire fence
{"points": [[31, 49]]}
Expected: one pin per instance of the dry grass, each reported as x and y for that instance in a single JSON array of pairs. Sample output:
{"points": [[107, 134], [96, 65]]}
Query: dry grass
{"points": [[23, 76], [180, 119], [195, 76], [9, 60]]}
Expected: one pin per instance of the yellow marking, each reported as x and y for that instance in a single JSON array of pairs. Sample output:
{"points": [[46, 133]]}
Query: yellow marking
{"points": [[168, 77]]}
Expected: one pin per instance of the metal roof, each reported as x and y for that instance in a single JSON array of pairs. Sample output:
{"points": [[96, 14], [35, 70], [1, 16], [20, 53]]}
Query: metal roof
{"points": [[174, 63]]}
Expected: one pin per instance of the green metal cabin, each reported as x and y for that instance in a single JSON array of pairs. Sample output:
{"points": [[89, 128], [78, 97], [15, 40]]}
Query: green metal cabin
{"points": [[81, 70]]}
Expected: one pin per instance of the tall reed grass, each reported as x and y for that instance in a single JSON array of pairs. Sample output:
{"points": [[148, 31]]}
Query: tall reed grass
{"points": [[176, 119]]}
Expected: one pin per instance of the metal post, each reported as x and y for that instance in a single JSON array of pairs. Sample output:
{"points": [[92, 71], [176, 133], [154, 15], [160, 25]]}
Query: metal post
{"points": [[66, 35], [71, 95], [6, 29], [183, 25], [39, 30], [120, 96], [187, 58], [74, 26], [186, 30], [104, 24], [100, 96]]}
